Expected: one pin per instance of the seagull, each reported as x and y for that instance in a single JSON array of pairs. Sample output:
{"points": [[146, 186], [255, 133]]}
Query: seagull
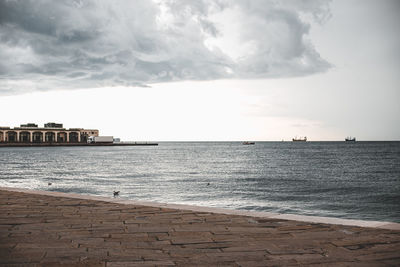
{"points": [[116, 193]]}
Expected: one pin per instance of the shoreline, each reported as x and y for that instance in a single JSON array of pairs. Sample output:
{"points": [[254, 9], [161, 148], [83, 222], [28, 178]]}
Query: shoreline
{"points": [[40, 228], [261, 214]]}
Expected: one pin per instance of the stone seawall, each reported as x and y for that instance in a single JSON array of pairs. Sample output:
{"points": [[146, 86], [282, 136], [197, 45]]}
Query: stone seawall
{"points": [[48, 228]]}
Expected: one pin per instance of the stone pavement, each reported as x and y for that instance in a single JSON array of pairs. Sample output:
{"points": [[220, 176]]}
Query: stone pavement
{"points": [[52, 229]]}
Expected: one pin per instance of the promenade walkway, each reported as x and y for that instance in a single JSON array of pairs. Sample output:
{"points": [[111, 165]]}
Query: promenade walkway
{"points": [[53, 229]]}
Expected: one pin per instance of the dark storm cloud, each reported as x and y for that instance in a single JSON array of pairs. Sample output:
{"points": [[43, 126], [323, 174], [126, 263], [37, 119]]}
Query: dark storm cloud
{"points": [[48, 45]]}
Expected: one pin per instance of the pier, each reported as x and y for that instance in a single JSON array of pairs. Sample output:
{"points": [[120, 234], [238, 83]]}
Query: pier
{"points": [[47, 144]]}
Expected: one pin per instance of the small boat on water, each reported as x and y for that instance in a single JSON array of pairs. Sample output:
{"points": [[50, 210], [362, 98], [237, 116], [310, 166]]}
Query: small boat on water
{"points": [[248, 143], [350, 139], [304, 139]]}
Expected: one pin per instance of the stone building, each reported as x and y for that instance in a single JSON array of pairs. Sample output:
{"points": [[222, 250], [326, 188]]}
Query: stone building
{"points": [[50, 133]]}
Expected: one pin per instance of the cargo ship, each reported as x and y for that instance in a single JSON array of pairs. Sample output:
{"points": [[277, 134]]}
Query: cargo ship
{"points": [[304, 139], [350, 139]]}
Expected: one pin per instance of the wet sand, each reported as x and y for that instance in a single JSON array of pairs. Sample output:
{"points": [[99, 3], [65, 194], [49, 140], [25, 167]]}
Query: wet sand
{"points": [[39, 228]]}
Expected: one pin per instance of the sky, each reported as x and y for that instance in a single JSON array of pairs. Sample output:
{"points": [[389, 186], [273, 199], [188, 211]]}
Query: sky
{"points": [[204, 70]]}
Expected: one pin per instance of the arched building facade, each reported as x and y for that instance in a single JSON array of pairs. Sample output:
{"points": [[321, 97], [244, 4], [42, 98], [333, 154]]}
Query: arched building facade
{"points": [[50, 133]]}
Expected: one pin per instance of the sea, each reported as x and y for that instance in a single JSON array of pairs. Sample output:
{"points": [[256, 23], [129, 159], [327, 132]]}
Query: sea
{"points": [[358, 180]]}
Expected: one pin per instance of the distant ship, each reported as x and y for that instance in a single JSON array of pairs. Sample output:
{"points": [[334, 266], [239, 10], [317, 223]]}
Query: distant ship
{"points": [[248, 143], [350, 139], [304, 139]]}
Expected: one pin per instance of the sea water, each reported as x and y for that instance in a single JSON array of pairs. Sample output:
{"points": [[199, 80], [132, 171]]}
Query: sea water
{"points": [[358, 180]]}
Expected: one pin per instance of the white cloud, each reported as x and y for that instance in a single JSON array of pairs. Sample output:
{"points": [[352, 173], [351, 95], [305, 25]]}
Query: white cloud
{"points": [[76, 44]]}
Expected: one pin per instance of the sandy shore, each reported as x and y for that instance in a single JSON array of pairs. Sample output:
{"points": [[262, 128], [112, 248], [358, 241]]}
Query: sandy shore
{"points": [[40, 228]]}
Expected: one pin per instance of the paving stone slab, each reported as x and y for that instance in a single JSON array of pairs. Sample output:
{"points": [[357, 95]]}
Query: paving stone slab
{"points": [[58, 229]]}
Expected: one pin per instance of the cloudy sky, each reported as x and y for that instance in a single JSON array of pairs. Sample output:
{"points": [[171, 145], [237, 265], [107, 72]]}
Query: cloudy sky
{"points": [[204, 69]]}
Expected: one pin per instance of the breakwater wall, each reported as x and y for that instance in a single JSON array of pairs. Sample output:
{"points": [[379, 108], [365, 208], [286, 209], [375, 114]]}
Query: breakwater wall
{"points": [[77, 144]]}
